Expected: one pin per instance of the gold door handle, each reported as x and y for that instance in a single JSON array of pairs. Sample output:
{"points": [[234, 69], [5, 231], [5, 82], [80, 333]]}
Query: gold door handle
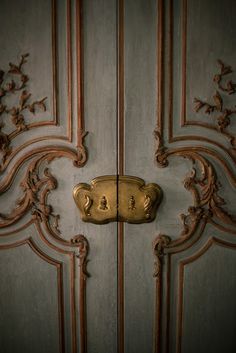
{"points": [[112, 198]]}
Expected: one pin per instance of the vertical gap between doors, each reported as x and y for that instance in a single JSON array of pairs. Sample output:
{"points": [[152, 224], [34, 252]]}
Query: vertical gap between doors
{"points": [[120, 172]]}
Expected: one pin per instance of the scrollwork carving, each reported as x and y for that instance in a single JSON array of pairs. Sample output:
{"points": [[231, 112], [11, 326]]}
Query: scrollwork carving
{"points": [[159, 245], [205, 189], [82, 153], [83, 247], [161, 149], [204, 186], [36, 188]]}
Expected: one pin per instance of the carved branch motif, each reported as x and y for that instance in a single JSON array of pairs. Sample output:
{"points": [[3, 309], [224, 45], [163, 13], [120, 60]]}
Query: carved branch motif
{"points": [[83, 247], [159, 245], [35, 186], [223, 113], [14, 83]]}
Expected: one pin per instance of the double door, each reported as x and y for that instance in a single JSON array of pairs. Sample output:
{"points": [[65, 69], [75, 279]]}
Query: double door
{"points": [[140, 96]]}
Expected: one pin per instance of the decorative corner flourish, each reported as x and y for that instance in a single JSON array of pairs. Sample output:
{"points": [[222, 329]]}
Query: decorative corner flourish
{"points": [[204, 186], [205, 190], [14, 81], [224, 113], [83, 246]]}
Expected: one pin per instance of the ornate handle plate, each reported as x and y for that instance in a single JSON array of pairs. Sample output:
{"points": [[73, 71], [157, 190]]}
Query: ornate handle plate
{"points": [[117, 198]]}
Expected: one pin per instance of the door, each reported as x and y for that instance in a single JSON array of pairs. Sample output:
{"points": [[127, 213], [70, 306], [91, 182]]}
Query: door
{"points": [[142, 94]]}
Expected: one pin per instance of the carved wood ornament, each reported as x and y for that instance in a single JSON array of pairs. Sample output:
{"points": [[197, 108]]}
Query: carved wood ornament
{"points": [[223, 113], [36, 186], [208, 207], [14, 82], [202, 182]]}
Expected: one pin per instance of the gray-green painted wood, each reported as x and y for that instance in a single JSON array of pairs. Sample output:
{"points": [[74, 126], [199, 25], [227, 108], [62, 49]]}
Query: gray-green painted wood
{"points": [[28, 292], [28, 302]]}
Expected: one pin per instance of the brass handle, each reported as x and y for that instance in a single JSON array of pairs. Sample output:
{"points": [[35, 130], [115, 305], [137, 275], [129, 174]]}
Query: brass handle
{"points": [[111, 198]]}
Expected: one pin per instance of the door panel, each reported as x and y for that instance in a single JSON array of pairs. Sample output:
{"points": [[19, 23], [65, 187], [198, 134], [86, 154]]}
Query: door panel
{"points": [[118, 87]]}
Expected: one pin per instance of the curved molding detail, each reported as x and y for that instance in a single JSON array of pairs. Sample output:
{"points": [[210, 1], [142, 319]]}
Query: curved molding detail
{"points": [[19, 81], [208, 206], [163, 152], [36, 188], [182, 264], [204, 186], [36, 185], [59, 269], [79, 248], [49, 152]]}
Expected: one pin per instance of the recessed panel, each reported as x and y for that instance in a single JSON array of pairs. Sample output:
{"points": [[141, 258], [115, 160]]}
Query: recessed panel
{"points": [[29, 302], [209, 310]]}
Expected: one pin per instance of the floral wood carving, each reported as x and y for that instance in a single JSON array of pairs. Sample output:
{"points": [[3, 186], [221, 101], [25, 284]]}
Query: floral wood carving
{"points": [[208, 206], [14, 83], [36, 186], [204, 186], [223, 113]]}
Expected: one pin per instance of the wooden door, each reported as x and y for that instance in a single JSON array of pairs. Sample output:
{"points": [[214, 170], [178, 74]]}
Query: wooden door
{"points": [[142, 88]]}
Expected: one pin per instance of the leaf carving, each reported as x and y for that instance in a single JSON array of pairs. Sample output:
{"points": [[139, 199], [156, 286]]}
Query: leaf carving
{"points": [[223, 120]]}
